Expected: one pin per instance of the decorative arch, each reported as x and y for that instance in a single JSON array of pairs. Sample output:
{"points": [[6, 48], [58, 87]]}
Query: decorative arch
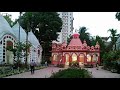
{"points": [[89, 58], [74, 57], [8, 40], [95, 57], [67, 58], [55, 57], [81, 57]]}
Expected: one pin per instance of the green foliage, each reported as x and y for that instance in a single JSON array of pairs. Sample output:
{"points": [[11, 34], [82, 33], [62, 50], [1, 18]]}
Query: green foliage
{"points": [[84, 35], [111, 59], [69, 39], [74, 64], [101, 43], [8, 70], [8, 19], [118, 16], [72, 73], [17, 51], [44, 25], [113, 36]]}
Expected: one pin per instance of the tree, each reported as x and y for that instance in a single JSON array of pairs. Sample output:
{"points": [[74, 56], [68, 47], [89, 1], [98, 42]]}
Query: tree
{"points": [[118, 16], [101, 43], [8, 19], [69, 39], [84, 35], [113, 36], [17, 50], [44, 25]]}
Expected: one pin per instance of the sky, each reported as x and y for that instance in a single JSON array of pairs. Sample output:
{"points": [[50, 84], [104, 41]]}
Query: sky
{"points": [[97, 23]]}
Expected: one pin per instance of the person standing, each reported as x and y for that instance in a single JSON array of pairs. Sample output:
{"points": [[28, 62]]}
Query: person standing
{"points": [[32, 67], [97, 66], [46, 63]]}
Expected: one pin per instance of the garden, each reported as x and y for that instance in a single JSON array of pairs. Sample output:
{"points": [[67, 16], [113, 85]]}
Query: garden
{"points": [[8, 70], [111, 61], [72, 73]]}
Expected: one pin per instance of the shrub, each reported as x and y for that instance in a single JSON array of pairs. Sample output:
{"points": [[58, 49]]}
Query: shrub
{"points": [[61, 65], [74, 64], [72, 73]]}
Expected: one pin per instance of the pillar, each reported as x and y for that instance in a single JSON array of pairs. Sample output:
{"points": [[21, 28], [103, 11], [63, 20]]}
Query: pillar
{"points": [[91, 59], [70, 58], [63, 59]]}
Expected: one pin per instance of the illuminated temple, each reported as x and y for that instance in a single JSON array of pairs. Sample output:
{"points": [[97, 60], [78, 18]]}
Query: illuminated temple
{"points": [[75, 51]]}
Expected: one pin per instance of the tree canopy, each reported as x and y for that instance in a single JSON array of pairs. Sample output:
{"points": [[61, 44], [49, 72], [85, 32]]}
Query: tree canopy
{"points": [[84, 35], [8, 19], [113, 36], [44, 25]]}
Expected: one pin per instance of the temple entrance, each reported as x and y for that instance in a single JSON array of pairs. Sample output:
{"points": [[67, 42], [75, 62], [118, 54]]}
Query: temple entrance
{"points": [[74, 57], [81, 59], [55, 57], [9, 54], [95, 58], [88, 58], [67, 59]]}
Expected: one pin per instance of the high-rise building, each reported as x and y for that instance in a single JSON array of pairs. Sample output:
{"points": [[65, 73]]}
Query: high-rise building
{"points": [[67, 27]]}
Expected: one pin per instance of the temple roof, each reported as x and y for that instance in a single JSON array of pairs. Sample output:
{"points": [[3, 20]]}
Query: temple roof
{"points": [[5, 27], [75, 41], [22, 32], [32, 38]]}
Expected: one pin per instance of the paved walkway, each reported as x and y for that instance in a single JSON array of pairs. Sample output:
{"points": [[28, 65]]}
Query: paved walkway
{"points": [[42, 73], [46, 73], [102, 73]]}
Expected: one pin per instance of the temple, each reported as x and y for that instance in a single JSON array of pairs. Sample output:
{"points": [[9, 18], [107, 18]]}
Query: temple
{"points": [[75, 51], [9, 36]]}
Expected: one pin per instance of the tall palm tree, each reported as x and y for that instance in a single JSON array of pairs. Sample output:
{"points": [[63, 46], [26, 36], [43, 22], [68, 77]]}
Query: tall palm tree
{"points": [[113, 36], [84, 35]]}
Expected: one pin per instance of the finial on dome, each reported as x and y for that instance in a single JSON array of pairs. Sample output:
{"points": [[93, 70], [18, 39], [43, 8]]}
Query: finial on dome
{"points": [[84, 41], [97, 43], [75, 30]]}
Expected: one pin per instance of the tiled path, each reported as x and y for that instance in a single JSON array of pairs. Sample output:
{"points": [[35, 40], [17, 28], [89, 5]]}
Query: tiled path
{"points": [[42, 73], [46, 73], [102, 73]]}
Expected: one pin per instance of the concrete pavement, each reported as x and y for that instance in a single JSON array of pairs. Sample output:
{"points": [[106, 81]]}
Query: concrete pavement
{"points": [[46, 73]]}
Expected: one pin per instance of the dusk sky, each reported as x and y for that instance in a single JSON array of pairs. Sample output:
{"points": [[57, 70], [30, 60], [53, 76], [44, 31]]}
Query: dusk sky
{"points": [[97, 22]]}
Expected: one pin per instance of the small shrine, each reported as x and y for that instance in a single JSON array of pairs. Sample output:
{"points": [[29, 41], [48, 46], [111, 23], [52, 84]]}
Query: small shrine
{"points": [[75, 51]]}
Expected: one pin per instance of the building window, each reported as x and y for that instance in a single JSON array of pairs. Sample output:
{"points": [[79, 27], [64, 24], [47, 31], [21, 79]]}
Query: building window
{"points": [[3, 50], [3, 59], [3, 53], [3, 56]]}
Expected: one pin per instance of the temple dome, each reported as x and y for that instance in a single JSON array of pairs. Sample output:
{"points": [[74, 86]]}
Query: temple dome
{"points": [[22, 32], [32, 38], [75, 41], [5, 27]]}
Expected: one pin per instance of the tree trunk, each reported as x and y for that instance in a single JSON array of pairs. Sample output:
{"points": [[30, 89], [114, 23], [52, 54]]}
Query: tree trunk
{"points": [[115, 46], [26, 49]]}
